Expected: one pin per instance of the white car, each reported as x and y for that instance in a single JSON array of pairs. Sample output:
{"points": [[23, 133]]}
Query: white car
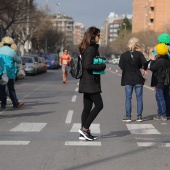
{"points": [[30, 65]]}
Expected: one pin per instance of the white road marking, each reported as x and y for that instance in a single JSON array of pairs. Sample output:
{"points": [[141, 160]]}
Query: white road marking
{"points": [[148, 144], [152, 139], [81, 143], [69, 116], [142, 129], [163, 123], [29, 127], [14, 142], [77, 83], [150, 88], [95, 128], [74, 98], [77, 89]]}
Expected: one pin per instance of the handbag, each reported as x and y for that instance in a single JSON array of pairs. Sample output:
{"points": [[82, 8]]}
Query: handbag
{"points": [[21, 74], [3, 80]]}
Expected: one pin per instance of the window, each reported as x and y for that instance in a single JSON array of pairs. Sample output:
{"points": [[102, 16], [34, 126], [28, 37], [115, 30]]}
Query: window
{"points": [[151, 21], [152, 9]]}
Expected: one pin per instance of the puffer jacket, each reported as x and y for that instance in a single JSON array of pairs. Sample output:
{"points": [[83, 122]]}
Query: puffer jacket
{"points": [[158, 68], [8, 57], [89, 82]]}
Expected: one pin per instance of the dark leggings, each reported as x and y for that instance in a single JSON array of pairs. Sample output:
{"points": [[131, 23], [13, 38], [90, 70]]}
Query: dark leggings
{"points": [[89, 114]]}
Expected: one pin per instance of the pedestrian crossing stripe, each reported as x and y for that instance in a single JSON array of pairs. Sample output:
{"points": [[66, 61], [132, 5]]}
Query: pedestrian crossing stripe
{"points": [[14, 142], [95, 128], [144, 129], [29, 127], [83, 143], [149, 144]]}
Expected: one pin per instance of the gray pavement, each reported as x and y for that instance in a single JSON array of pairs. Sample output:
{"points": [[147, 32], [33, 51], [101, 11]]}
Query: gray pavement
{"points": [[43, 134]]}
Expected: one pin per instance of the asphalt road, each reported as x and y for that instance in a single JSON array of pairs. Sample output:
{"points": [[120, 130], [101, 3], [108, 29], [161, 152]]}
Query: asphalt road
{"points": [[43, 135]]}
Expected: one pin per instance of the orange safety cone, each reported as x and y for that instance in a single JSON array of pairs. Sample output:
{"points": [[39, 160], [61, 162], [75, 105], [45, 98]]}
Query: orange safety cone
{"points": [[116, 71]]}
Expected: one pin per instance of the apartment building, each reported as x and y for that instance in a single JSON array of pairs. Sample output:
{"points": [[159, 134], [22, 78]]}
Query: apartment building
{"points": [[79, 30], [114, 28], [151, 15], [64, 24], [111, 26]]}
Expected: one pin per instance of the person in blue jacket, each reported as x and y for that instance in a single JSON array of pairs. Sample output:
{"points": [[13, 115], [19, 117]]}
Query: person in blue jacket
{"points": [[8, 57]]}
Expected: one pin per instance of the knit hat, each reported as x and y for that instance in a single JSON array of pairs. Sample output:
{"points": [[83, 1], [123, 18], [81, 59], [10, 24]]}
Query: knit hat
{"points": [[1, 44], [164, 38], [132, 42], [7, 40], [14, 47], [161, 49]]}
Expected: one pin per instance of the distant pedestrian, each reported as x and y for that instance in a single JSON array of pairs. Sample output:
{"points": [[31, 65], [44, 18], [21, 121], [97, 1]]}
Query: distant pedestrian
{"points": [[158, 66], [130, 63], [90, 84], [65, 62], [9, 57]]}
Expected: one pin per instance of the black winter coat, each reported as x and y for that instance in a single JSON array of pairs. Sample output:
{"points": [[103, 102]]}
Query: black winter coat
{"points": [[130, 66], [158, 68], [89, 82]]}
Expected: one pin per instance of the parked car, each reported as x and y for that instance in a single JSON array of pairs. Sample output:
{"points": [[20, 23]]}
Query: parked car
{"points": [[43, 64], [52, 61], [37, 62], [115, 60], [30, 65]]}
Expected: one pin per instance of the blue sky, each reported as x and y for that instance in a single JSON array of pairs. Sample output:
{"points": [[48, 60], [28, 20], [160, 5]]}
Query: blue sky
{"points": [[88, 12]]}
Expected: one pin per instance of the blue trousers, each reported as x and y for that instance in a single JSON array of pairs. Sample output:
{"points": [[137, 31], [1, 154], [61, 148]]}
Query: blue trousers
{"points": [[139, 97], [12, 93], [163, 101]]}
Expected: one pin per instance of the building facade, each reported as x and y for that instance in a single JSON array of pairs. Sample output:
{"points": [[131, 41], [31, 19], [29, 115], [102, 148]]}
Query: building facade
{"points": [[79, 30], [65, 25], [151, 15], [111, 26], [113, 29]]}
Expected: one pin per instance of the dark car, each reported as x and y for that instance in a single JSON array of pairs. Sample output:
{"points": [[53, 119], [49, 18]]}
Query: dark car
{"points": [[52, 61]]}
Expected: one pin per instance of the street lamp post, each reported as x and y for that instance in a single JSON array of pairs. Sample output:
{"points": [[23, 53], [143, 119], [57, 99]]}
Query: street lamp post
{"points": [[27, 44], [125, 28], [46, 8], [58, 6]]}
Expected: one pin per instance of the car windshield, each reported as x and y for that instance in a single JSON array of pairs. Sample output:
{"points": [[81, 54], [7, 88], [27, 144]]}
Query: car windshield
{"points": [[27, 60], [50, 57], [36, 58]]}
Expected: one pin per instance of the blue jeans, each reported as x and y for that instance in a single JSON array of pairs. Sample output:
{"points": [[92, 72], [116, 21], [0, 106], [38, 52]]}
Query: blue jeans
{"points": [[162, 99], [139, 97]]}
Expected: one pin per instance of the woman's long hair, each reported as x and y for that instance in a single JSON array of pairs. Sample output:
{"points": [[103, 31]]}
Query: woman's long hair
{"points": [[88, 39]]}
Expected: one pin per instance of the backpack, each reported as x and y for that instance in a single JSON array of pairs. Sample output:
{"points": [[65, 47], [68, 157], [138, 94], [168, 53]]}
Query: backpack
{"points": [[76, 68], [167, 77]]}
